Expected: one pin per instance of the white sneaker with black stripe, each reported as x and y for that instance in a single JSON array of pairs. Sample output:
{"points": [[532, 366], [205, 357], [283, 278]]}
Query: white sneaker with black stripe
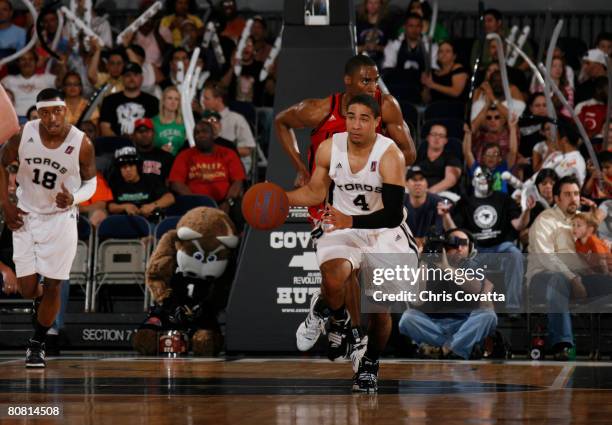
{"points": [[310, 329]]}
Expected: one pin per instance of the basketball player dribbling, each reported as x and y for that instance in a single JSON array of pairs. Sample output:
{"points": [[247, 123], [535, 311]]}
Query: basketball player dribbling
{"points": [[57, 171], [327, 117], [367, 215]]}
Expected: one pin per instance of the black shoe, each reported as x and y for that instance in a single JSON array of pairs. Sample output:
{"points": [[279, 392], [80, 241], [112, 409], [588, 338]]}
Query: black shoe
{"points": [[337, 338], [35, 354], [366, 378], [561, 352]]}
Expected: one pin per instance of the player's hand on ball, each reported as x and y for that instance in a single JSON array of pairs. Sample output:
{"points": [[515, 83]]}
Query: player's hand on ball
{"points": [[337, 219], [64, 199], [13, 216]]}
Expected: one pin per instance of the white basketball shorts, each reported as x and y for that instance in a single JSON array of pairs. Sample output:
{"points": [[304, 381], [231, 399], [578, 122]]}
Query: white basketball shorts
{"points": [[46, 244], [351, 244]]}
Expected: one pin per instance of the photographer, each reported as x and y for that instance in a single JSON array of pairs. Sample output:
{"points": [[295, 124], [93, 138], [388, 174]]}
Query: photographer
{"points": [[455, 333]]}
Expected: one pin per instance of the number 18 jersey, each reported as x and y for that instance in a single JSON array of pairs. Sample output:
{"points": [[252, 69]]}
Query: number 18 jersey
{"points": [[357, 193], [42, 171]]}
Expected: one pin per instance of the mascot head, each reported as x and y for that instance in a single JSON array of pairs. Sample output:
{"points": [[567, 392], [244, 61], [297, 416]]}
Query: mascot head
{"points": [[482, 183], [205, 238]]}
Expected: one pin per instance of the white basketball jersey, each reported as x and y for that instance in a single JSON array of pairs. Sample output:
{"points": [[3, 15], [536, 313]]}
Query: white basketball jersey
{"points": [[42, 171], [357, 193]]}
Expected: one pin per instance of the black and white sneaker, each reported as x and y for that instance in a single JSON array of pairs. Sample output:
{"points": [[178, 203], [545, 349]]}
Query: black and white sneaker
{"points": [[310, 329], [35, 354], [337, 337], [366, 378]]}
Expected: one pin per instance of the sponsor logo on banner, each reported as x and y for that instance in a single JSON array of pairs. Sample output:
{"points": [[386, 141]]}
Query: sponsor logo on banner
{"points": [[304, 277]]}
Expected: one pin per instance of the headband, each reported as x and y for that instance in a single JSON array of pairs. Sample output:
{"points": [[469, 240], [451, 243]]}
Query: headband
{"points": [[47, 103]]}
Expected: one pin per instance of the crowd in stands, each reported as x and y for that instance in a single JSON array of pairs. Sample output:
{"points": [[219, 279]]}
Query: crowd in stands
{"points": [[145, 162]]}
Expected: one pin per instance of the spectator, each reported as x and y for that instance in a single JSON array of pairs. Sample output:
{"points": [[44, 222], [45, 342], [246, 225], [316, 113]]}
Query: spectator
{"points": [[493, 161], [168, 125], [12, 37], [559, 76], [50, 24], [150, 75], [530, 124], [115, 64], [135, 193], [423, 9], [491, 127], [214, 119], [422, 206], [449, 82], [594, 65], [568, 160], [493, 23], [32, 113], [76, 104], [100, 24], [550, 272], [592, 112], [373, 29], [246, 87], [27, 84], [547, 147], [491, 94], [599, 186], [179, 54], [121, 110], [235, 127], [259, 32], [209, 169], [604, 42], [594, 250], [232, 23], [494, 219], [170, 25], [405, 58], [453, 334], [440, 167], [545, 182], [149, 39], [155, 161], [95, 208]]}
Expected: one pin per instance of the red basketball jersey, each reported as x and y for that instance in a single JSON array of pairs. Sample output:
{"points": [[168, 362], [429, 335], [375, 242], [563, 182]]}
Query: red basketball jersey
{"points": [[333, 123]]}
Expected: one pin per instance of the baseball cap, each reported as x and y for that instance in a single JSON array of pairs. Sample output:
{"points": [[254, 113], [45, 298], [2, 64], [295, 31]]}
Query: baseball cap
{"points": [[127, 155], [211, 114], [597, 56], [413, 171], [132, 67], [143, 122]]}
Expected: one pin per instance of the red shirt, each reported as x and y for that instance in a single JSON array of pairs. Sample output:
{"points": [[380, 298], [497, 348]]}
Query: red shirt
{"points": [[208, 174]]}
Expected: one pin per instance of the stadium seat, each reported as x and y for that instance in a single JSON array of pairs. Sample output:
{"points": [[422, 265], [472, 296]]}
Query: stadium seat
{"points": [[80, 273], [164, 226], [445, 109], [454, 127], [185, 203], [122, 249]]}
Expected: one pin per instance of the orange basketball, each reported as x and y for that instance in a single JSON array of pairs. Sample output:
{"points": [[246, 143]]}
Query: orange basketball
{"points": [[265, 206]]}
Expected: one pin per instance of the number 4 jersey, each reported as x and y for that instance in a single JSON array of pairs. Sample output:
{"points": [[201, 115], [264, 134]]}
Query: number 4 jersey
{"points": [[361, 192], [42, 171]]}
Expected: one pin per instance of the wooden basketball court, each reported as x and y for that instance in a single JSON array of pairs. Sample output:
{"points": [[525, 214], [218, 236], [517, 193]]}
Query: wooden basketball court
{"points": [[124, 389]]}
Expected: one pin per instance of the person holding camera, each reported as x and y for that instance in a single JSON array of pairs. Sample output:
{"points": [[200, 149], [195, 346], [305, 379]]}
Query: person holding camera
{"points": [[135, 193], [455, 332]]}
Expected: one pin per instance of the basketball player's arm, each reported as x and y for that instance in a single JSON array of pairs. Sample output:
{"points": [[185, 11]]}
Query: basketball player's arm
{"points": [[315, 191], [87, 165], [10, 123], [9, 157], [397, 129], [392, 166], [306, 114]]}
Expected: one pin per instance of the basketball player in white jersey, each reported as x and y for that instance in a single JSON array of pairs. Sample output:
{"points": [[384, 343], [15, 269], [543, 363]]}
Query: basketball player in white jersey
{"points": [[367, 216], [10, 123], [57, 171]]}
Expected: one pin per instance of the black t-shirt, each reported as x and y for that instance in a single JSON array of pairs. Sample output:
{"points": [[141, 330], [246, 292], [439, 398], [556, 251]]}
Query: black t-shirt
{"points": [[421, 219], [145, 191], [584, 91], [434, 171], [447, 80], [121, 111], [157, 162], [489, 219]]}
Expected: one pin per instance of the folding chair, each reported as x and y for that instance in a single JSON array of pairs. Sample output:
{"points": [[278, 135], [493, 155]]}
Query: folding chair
{"points": [[445, 109], [80, 273], [122, 249], [185, 203]]}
